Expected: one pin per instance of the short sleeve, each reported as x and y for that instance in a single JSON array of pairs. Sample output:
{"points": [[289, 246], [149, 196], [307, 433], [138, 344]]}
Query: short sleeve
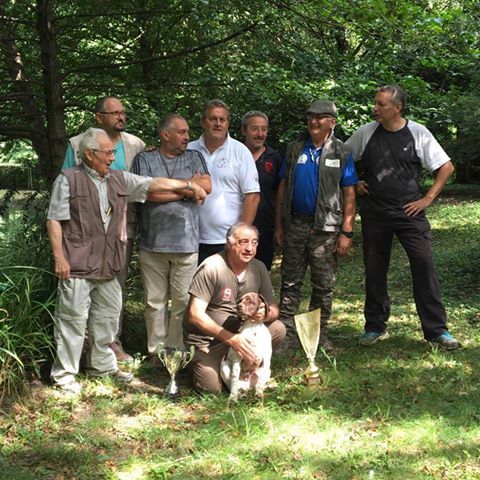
{"points": [[59, 208], [137, 186]]}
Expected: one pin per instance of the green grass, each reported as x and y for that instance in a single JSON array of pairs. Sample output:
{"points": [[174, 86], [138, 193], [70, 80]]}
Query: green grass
{"points": [[398, 410]]}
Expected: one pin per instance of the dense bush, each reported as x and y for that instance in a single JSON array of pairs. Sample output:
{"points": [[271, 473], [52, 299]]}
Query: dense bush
{"points": [[27, 293]]}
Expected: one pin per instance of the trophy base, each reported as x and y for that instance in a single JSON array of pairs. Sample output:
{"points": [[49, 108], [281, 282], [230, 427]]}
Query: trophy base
{"points": [[313, 380], [171, 397]]}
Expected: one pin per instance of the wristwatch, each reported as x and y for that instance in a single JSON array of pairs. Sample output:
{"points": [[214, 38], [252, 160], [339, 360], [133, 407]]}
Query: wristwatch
{"points": [[346, 234], [189, 186]]}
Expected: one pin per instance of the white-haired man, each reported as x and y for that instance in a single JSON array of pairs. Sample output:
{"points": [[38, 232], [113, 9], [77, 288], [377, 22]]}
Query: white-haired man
{"points": [[87, 230], [110, 116]]}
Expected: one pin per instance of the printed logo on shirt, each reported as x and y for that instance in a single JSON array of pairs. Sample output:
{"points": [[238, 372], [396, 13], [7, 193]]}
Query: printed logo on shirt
{"points": [[332, 162], [227, 294], [222, 162], [268, 167], [302, 159]]}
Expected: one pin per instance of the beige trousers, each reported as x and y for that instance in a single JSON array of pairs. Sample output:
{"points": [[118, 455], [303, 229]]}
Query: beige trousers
{"points": [[164, 273], [83, 303]]}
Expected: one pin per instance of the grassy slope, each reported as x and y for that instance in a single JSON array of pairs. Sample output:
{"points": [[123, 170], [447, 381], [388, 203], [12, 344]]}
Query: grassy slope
{"points": [[395, 411]]}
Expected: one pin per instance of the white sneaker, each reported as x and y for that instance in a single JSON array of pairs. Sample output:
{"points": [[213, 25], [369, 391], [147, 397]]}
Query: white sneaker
{"points": [[71, 388]]}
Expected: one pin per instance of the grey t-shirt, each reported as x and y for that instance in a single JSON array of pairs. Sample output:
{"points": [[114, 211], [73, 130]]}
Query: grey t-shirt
{"points": [[169, 227], [214, 282]]}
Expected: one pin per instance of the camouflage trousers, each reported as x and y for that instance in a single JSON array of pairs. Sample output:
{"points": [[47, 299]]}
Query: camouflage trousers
{"points": [[305, 247]]}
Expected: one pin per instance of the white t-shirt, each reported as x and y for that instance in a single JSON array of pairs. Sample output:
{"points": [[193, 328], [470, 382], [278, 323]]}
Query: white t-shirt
{"points": [[233, 174]]}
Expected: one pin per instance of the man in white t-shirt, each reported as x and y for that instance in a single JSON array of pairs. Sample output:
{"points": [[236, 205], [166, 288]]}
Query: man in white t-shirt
{"points": [[235, 189]]}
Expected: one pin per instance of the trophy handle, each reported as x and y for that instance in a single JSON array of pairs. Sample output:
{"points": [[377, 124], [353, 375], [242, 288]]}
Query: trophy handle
{"points": [[189, 355], [162, 354]]}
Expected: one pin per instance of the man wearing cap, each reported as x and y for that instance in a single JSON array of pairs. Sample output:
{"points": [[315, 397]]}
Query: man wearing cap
{"points": [[314, 216]]}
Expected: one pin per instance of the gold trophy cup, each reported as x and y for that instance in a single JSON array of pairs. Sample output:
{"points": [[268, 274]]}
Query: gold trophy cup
{"points": [[174, 360], [308, 329]]}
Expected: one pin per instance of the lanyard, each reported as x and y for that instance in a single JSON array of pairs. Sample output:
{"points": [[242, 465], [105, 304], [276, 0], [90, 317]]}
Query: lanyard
{"points": [[314, 154]]}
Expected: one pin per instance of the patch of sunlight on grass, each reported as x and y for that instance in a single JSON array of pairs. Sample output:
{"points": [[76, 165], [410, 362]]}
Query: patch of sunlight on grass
{"points": [[133, 472]]}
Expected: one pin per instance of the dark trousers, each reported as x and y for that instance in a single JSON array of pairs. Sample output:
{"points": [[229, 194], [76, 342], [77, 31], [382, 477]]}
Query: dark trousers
{"points": [[377, 247], [207, 249], [266, 248]]}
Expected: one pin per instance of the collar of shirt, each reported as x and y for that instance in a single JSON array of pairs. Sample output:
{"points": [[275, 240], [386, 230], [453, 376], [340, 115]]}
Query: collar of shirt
{"points": [[312, 152], [94, 174], [224, 144]]}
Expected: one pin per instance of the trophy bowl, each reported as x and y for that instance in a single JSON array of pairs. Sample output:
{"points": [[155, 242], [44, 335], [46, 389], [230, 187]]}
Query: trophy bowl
{"points": [[308, 330], [174, 359]]}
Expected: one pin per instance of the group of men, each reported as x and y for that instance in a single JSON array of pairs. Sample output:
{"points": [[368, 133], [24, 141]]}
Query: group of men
{"points": [[205, 209]]}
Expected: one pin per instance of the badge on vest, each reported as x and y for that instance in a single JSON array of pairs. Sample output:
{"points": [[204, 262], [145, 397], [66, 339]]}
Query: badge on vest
{"points": [[332, 162]]}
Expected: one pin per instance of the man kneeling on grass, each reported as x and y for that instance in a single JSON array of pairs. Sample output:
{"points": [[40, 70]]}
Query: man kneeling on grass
{"points": [[211, 322], [87, 230]]}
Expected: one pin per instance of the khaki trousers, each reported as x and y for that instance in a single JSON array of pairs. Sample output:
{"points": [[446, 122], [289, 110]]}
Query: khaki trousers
{"points": [[164, 273], [80, 303]]}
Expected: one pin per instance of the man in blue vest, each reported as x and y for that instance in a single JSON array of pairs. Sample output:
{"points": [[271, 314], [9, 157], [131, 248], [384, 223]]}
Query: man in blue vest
{"points": [[315, 215]]}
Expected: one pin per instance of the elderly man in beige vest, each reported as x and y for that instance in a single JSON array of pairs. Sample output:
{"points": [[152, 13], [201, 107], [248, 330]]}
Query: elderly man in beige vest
{"points": [[87, 229], [110, 116]]}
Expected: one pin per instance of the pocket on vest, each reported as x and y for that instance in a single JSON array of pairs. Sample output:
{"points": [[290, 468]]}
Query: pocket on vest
{"points": [[120, 254], [78, 252]]}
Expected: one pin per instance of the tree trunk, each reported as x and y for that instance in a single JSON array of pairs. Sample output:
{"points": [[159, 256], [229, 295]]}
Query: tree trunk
{"points": [[33, 128], [53, 91]]}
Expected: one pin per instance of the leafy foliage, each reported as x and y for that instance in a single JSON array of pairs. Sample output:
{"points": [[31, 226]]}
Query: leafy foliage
{"points": [[276, 57]]}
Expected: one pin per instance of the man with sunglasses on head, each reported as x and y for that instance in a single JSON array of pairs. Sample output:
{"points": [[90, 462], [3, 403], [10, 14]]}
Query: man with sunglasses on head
{"points": [[314, 216], [111, 117]]}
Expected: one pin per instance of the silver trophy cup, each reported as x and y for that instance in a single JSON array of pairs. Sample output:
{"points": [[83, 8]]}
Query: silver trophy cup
{"points": [[174, 359], [308, 329]]}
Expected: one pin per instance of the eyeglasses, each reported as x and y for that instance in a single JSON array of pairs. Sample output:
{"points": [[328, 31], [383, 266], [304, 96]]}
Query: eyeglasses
{"points": [[244, 242], [108, 153], [118, 113]]}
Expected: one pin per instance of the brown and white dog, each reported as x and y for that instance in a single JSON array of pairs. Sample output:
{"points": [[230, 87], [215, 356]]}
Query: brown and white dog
{"points": [[238, 374]]}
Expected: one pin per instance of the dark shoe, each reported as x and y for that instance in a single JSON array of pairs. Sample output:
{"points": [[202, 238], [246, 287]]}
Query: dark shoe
{"points": [[369, 338], [446, 342], [154, 361], [121, 356], [288, 344]]}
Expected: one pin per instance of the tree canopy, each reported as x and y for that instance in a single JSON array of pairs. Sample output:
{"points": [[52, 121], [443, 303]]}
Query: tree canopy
{"points": [[57, 57]]}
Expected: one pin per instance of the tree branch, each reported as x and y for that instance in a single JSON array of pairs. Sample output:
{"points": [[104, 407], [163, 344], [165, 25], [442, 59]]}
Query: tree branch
{"points": [[180, 53]]}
